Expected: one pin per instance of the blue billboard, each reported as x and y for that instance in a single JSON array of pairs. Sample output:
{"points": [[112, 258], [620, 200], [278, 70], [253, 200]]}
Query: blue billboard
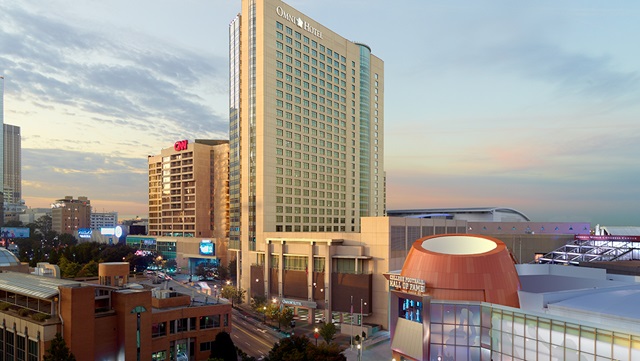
{"points": [[207, 248], [14, 232]]}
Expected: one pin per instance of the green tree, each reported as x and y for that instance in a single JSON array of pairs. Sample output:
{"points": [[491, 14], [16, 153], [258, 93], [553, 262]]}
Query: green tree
{"points": [[201, 270], [273, 312], [172, 264], [258, 303], [89, 270], [286, 316], [236, 295], [13, 224], [289, 349], [223, 272], [328, 332], [325, 352], [223, 348], [233, 266], [66, 239], [58, 351], [44, 225]]}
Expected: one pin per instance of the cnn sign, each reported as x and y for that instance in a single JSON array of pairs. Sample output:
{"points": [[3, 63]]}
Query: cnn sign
{"points": [[180, 145]]}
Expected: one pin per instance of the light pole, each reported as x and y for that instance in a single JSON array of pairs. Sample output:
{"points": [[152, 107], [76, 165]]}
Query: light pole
{"points": [[359, 352], [315, 334], [274, 305], [264, 314]]}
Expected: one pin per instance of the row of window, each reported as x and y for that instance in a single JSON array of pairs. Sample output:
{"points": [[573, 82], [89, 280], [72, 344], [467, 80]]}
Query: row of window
{"points": [[159, 329], [17, 347]]}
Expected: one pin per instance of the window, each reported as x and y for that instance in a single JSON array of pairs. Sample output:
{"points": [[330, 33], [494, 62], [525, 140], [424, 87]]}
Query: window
{"points": [[206, 346], [20, 348], [159, 356], [159, 329], [33, 354], [207, 322]]}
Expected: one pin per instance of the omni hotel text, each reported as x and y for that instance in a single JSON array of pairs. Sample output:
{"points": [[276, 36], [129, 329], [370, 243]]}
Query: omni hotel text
{"points": [[299, 22]]}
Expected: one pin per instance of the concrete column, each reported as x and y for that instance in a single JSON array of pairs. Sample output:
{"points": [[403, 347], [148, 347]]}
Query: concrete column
{"points": [[281, 271], [267, 268], [310, 287], [328, 287]]}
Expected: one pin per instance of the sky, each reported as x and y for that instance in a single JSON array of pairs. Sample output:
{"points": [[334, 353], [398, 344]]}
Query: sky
{"points": [[532, 105]]}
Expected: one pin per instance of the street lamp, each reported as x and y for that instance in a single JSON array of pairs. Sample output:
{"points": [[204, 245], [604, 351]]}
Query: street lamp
{"points": [[264, 314], [315, 334], [359, 352]]}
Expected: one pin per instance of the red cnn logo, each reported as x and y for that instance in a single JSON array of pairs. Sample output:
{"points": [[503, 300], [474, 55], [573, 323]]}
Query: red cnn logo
{"points": [[180, 145]]}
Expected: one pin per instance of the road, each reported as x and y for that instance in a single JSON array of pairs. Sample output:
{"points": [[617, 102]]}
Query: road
{"points": [[251, 336]]}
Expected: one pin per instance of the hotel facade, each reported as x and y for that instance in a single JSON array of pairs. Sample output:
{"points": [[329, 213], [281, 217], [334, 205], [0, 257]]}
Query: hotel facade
{"points": [[306, 133], [188, 199]]}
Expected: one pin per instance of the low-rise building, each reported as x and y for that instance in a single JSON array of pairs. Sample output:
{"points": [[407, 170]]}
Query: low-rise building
{"points": [[113, 320]]}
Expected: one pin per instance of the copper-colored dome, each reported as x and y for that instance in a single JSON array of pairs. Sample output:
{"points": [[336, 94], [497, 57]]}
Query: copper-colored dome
{"points": [[464, 267]]}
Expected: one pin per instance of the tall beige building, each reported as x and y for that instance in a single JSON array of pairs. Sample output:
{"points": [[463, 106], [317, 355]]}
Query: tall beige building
{"points": [[188, 191], [306, 128]]}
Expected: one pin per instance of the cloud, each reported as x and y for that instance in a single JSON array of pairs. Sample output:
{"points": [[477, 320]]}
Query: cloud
{"points": [[57, 173], [137, 82]]}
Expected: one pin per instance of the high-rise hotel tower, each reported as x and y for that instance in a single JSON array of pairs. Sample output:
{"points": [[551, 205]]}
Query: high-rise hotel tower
{"points": [[306, 127]]}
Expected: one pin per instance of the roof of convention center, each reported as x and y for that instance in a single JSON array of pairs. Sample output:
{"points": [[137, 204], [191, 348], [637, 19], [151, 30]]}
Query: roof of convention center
{"points": [[31, 285], [622, 230], [426, 212], [619, 301]]}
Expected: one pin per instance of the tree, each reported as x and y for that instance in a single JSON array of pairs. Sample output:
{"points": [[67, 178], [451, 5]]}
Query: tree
{"points": [[286, 316], [291, 348], [58, 351], [236, 295], [44, 224], [325, 352], [89, 270], [328, 332], [13, 223], [258, 302], [66, 239], [171, 264], [201, 271], [233, 266], [223, 348], [223, 272], [273, 312]]}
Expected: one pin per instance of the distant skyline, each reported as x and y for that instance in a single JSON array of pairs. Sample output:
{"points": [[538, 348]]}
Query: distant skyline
{"points": [[527, 105]]}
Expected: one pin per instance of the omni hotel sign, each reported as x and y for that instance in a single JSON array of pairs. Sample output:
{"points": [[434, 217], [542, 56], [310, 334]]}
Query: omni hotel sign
{"points": [[298, 21], [406, 284]]}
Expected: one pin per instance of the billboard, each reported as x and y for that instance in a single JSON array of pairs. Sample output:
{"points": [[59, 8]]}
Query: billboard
{"points": [[14, 232], [84, 233], [207, 248]]}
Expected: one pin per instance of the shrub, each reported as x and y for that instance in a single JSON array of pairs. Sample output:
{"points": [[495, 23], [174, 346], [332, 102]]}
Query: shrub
{"points": [[24, 312], [4, 306], [40, 316]]}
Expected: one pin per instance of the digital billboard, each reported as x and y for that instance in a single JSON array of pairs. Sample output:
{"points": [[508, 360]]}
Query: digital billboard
{"points": [[207, 248], [84, 232], [14, 232]]}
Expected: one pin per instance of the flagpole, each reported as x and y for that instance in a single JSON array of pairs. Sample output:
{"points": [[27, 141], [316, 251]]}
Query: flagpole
{"points": [[351, 332], [361, 320]]}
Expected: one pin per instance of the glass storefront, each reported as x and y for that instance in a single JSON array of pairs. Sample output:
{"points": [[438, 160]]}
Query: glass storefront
{"points": [[474, 331]]}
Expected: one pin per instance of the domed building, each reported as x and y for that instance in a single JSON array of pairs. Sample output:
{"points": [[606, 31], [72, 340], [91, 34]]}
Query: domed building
{"points": [[464, 267], [473, 269], [9, 262]]}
